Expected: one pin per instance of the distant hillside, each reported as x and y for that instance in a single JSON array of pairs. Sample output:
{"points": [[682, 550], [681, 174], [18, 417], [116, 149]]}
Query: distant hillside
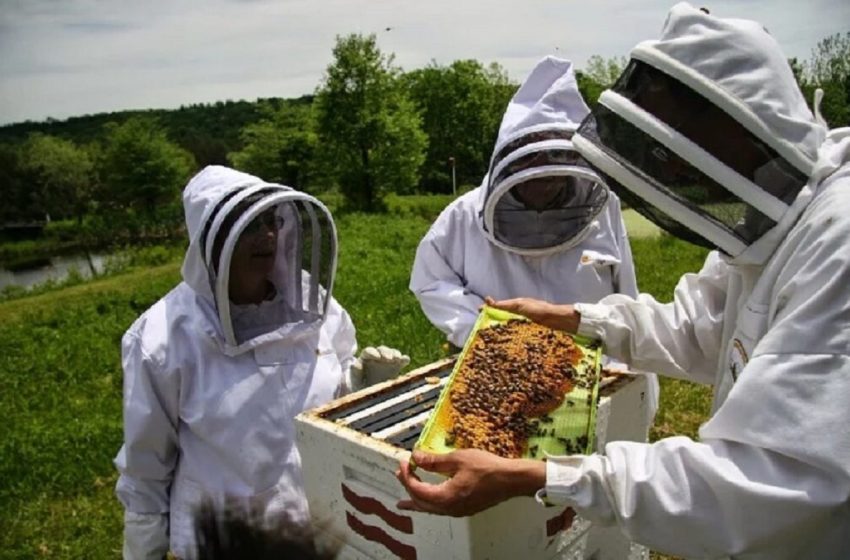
{"points": [[208, 131]]}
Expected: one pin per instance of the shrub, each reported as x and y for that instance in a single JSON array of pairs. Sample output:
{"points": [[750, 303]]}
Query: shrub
{"points": [[427, 206], [62, 230]]}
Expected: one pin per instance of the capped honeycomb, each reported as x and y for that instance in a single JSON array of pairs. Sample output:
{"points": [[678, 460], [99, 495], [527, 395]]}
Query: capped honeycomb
{"points": [[512, 375]]}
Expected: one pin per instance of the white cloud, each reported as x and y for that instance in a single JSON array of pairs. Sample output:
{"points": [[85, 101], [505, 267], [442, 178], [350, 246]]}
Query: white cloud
{"points": [[85, 56]]}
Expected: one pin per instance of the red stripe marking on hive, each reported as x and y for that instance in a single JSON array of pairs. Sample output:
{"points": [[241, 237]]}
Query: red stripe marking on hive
{"points": [[372, 506], [378, 535], [561, 522]]}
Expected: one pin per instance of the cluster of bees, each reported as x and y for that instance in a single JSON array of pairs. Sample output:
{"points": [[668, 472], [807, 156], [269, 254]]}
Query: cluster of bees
{"points": [[512, 375]]}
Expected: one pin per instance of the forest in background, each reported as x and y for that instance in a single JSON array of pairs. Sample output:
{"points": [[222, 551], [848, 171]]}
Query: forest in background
{"points": [[370, 129]]}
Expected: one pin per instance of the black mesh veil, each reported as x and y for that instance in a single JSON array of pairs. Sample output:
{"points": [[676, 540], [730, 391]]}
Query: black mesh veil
{"points": [[629, 139], [710, 127], [541, 195], [280, 239]]}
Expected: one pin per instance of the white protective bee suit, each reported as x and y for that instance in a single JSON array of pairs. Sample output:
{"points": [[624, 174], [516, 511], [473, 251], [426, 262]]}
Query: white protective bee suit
{"points": [[767, 321], [211, 388], [487, 243], [463, 257]]}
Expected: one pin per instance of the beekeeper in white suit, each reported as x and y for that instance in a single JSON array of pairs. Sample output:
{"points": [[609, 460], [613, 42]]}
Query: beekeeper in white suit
{"points": [[215, 371], [708, 133], [541, 225]]}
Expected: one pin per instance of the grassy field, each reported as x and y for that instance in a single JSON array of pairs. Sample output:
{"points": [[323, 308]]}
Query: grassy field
{"points": [[60, 376], [638, 226]]}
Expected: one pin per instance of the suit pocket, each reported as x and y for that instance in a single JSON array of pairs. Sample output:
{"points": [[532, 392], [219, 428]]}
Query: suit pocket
{"points": [[752, 322]]}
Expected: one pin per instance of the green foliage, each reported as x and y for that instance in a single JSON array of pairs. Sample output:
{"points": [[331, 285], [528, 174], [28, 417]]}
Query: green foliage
{"points": [[142, 257], [62, 175], [20, 203], [831, 59], [425, 206], [372, 138], [462, 106], [398, 156], [142, 170], [590, 89], [18, 254], [61, 230], [281, 147], [599, 75], [207, 130], [12, 291], [605, 71], [368, 126], [829, 69], [334, 200]]}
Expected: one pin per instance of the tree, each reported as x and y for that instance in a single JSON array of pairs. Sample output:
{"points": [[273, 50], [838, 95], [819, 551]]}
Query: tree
{"points": [[829, 69], [605, 70], [280, 147], [142, 170], [368, 127], [21, 202], [599, 75], [64, 175], [206, 149], [462, 107]]}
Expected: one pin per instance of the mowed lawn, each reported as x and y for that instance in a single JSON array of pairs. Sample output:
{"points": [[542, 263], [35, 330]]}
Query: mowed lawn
{"points": [[60, 376], [638, 226]]}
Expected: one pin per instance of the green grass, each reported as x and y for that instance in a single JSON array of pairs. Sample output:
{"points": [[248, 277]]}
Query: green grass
{"points": [[659, 262], [60, 376], [638, 226], [376, 255]]}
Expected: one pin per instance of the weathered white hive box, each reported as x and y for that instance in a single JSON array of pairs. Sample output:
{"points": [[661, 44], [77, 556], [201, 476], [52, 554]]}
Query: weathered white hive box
{"points": [[351, 448]]}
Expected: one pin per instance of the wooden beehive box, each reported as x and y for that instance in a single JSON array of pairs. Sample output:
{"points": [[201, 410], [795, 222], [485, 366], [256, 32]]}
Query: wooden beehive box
{"points": [[351, 448]]}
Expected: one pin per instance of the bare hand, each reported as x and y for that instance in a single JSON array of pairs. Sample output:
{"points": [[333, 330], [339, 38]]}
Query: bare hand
{"points": [[479, 480], [561, 317]]}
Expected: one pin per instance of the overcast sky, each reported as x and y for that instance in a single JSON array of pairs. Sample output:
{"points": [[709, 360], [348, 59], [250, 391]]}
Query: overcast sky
{"points": [[61, 58]]}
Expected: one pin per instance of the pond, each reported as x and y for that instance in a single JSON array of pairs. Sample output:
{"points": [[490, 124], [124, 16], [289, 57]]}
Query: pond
{"points": [[55, 268]]}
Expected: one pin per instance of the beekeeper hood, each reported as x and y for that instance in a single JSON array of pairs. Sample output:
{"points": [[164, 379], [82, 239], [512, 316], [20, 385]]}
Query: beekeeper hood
{"points": [[707, 134], [239, 224], [539, 196]]}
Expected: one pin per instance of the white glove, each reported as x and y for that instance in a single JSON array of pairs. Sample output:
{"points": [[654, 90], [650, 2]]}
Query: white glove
{"points": [[376, 365], [145, 536]]}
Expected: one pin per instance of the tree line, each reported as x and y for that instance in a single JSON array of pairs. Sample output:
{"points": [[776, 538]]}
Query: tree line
{"points": [[370, 129]]}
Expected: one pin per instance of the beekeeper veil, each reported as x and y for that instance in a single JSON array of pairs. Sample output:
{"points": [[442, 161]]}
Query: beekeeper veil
{"points": [[707, 134], [264, 232], [540, 196]]}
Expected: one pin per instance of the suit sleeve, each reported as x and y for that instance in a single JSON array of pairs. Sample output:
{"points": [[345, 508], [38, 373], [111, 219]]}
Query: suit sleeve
{"points": [[441, 290], [344, 342], [625, 279], [147, 460], [770, 475], [678, 339]]}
